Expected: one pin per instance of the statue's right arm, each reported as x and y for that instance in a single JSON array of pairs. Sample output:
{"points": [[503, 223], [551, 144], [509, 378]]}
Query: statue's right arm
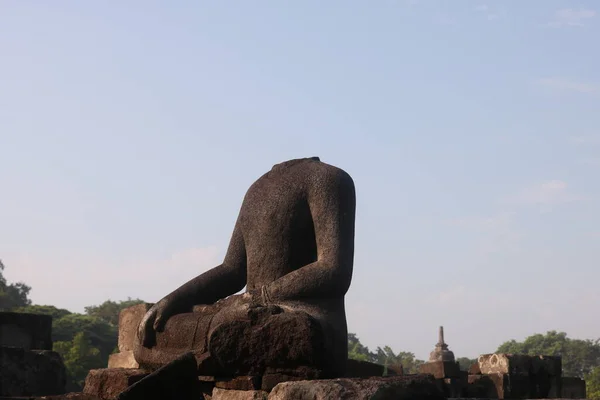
{"points": [[219, 282], [215, 284]]}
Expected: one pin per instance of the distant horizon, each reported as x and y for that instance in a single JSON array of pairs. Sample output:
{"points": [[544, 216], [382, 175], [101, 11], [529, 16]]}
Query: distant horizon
{"points": [[130, 135]]}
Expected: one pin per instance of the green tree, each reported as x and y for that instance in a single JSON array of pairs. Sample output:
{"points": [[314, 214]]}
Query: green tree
{"points": [[109, 310], [407, 360], [79, 356], [55, 313], [356, 350], [465, 363], [579, 357], [101, 334], [592, 383], [12, 295], [384, 356]]}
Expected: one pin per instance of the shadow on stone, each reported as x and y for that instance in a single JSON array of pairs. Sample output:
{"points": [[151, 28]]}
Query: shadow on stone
{"points": [[177, 380]]}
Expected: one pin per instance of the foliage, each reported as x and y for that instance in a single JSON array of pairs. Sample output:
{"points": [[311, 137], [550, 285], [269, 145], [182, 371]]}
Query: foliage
{"points": [[54, 312], [579, 357], [12, 295], [79, 356], [356, 350], [84, 341], [109, 310], [592, 383], [101, 334], [383, 356], [465, 363]]}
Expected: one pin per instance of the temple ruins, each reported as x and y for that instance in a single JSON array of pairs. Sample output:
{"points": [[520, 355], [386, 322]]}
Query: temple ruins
{"points": [[285, 337]]}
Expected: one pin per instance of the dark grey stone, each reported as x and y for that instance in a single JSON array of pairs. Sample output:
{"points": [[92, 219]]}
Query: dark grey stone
{"points": [[31, 372], [177, 380], [28, 331], [394, 388], [293, 248]]}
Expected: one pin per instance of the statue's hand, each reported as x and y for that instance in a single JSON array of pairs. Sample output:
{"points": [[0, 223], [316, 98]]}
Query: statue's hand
{"points": [[257, 297], [155, 320]]}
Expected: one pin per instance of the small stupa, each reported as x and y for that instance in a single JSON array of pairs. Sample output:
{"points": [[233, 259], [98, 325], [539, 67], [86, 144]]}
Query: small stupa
{"points": [[441, 362], [441, 352]]}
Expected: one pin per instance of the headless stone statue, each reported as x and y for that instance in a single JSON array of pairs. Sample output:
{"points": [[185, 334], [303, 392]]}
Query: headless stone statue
{"points": [[293, 249]]}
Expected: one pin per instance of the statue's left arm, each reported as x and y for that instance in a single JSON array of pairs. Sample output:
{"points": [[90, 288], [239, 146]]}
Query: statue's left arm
{"points": [[332, 201]]}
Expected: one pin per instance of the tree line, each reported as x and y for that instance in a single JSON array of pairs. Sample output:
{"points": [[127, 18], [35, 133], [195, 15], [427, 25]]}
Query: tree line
{"points": [[86, 340]]}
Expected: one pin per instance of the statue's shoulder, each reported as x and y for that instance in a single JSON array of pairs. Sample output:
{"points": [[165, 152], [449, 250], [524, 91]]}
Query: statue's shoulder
{"points": [[312, 170]]}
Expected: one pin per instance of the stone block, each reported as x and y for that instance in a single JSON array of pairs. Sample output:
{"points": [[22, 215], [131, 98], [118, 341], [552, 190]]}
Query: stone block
{"points": [[513, 386], [504, 364], [268, 337], [456, 387], [519, 364], [124, 359], [177, 380], [107, 383], [269, 381], [31, 372], [441, 369], [68, 396], [275, 376], [555, 391], [474, 369], [224, 394], [240, 383], [547, 365], [481, 386], [129, 320], [573, 388], [363, 369], [422, 387], [28, 331]]}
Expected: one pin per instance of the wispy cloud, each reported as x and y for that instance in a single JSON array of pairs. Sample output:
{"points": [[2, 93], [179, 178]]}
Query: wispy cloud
{"points": [[489, 13], [496, 233], [487, 223], [546, 196], [571, 17], [443, 19], [569, 85]]}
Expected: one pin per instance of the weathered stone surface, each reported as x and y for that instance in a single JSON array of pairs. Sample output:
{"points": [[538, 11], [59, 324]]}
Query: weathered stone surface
{"points": [[481, 386], [474, 369], [271, 338], [67, 396], [269, 381], [240, 383], [70, 396], [453, 387], [422, 387], [123, 359], [129, 320], [274, 376], [109, 382], [27, 331], [177, 380], [441, 351], [441, 369], [31, 372], [293, 247], [224, 394], [363, 369], [518, 364], [573, 388]]}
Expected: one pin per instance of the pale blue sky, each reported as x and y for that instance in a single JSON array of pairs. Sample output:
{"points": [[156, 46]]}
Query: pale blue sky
{"points": [[129, 132]]}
